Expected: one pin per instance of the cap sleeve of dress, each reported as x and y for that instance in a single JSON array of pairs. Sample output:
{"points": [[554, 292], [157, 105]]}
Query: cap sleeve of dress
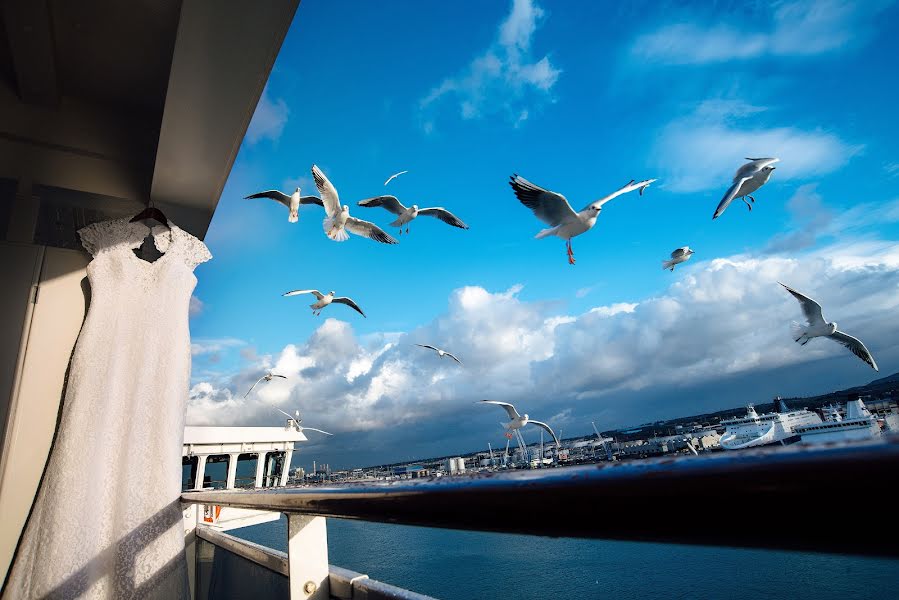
{"points": [[193, 251], [97, 237]]}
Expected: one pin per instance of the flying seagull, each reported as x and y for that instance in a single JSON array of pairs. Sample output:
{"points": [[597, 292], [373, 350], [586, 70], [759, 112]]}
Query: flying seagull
{"points": [[267, 377], [406, 215], [339, 221], [554, 210], [296, 420], [518, 421], [818, 327], [324, 300], [677, 257], [748, 179], [440, 353], [394, 176], [292, 201]]}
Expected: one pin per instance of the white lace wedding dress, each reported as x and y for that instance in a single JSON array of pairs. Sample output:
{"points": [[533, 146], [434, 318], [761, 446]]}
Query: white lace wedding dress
{"points": [[106, 522]]}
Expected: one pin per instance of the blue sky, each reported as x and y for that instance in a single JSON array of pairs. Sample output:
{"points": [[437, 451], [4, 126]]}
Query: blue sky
{"points": [[579, 98]]}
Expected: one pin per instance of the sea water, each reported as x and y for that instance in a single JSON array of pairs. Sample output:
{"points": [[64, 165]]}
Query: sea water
{"points": [[473, 565]]}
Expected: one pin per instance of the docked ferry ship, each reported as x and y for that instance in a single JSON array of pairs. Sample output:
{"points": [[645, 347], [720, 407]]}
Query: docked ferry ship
{"points": [[768, 428], [857, 424]]}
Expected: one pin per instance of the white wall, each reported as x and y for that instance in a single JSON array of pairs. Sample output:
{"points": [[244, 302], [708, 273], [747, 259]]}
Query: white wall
{"points": [[51, 333]]}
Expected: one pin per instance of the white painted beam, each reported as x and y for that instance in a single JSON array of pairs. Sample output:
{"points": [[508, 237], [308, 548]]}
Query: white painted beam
{"points": [[307, 553]]}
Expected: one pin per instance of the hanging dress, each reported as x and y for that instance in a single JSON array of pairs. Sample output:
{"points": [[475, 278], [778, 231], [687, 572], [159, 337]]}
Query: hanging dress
{"points": [[107, 522]]}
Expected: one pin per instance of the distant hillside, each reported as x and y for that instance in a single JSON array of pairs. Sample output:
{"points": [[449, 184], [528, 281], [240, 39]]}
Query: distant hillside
{"points": [[883, 388]]}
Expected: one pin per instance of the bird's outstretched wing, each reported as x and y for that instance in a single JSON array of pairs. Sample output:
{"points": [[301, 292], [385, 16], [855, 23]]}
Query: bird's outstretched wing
{"points": [[314, 429], [311, 200], [453, 356], [754, 166], [253, 386], [350, 303], [389, 202], [550, 207], [510, 410], [369, 230], [281, 376], [330, 199], [272, 194], [427, 346], [394, 176], [291, 417], [678, 253], [315, 293], [855, 345], [547, 428], [810, 308], [444, 215], [729, 196], [630, 186]]}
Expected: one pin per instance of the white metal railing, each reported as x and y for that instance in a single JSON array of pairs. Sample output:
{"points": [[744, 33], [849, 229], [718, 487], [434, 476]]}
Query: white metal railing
{"points": [[343, 584], [660, 500]]}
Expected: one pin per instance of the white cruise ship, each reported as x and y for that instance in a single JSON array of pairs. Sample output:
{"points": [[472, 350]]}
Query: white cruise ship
{"points": [[858, 424], [769, 428]]}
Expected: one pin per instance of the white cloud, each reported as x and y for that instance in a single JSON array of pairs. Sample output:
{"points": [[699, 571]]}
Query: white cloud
{"points": [[722, 318], [614, 309], [703, 149], [810, 219], [195, 307], [505, 80], [813, 220], [269, 119], [213, 345], [892, 169], [799, 28]]}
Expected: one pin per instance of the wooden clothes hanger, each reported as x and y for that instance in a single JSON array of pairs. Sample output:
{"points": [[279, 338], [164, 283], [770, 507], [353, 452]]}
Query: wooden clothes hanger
{"points": [[151, 212]]}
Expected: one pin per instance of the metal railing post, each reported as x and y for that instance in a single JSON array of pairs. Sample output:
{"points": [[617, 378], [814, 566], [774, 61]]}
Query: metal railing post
{"points": [[285, 470], [260, 468], [201, 469], [232, 470], [307, 554]]}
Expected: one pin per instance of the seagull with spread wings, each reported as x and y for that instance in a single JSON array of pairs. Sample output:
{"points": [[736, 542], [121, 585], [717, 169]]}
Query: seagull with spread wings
{"points": [[339, 221], [295, 421], [819, 327], [407, 215], [292, 202], [266, 378], [323, 300], [440, 353], [747, 180], [394, 176], [554, 210], [677, 257], [518, 421]]}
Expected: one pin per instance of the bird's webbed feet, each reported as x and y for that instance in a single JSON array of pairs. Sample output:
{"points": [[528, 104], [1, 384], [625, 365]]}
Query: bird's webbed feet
{"points": [[748, 205], [407, 230], [571, 260]]}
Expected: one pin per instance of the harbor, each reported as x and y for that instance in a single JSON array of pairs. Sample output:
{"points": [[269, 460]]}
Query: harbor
{"points": [[861, 417]]}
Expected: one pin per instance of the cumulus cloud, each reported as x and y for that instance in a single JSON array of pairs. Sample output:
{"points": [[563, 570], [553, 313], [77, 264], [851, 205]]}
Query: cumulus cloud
{"points": [[801, 28], [269, 119], [722, 319], [703, 149], [195, 307], [506, 79]]}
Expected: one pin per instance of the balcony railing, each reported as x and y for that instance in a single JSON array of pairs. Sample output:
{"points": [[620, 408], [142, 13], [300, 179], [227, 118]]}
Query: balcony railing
{"points": [[793, 498]]}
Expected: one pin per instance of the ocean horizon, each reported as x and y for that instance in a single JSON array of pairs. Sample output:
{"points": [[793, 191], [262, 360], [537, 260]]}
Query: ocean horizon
{"points": [[452, 564]]}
